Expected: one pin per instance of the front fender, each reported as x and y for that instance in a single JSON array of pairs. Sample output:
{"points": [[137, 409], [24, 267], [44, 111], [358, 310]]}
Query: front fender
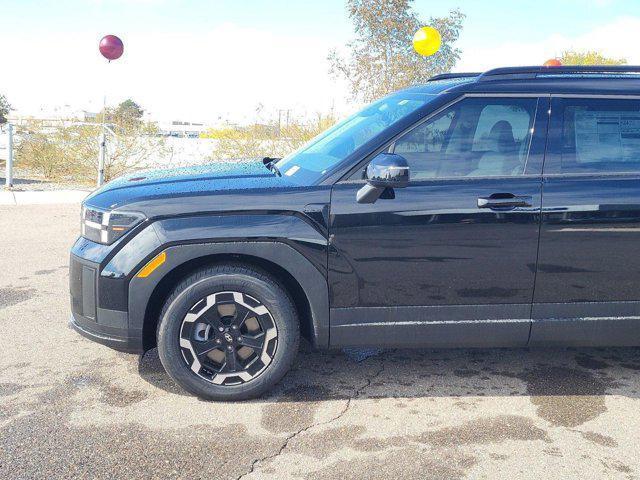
{"points": [[292, 243]]}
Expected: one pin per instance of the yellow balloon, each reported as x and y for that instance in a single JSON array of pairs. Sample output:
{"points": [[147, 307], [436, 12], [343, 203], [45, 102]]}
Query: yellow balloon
{"points": [[427, 41]]}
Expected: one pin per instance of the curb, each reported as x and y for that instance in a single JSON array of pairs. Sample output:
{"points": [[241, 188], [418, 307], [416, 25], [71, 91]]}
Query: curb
{"points": [[51, 197]]}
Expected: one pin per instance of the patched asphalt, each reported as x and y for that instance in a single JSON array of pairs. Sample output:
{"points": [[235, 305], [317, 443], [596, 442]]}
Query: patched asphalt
{"points": [[70, 408]]}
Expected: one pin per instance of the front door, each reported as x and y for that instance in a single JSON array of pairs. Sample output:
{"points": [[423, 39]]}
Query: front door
{"points": [[449, 260], [588, 282]]}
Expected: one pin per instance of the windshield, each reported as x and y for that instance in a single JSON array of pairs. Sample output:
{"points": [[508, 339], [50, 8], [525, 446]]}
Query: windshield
{"points": [[318, 156]]}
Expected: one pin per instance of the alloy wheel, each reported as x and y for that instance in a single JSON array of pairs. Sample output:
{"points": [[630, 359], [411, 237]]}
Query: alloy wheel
{"points": [[228, 338]]}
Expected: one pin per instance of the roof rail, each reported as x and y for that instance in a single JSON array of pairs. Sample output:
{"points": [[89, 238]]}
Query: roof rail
{"points": [[449, 76], [533, 72]]}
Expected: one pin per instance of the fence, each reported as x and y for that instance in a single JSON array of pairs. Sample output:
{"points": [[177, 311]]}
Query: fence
{"points": [[137, 153], [70, 151], [7, 152]]}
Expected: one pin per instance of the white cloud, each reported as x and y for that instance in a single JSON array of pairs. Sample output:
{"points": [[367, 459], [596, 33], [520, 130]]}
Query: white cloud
{"points": [[230, 70], [225, 72], [616, 39]]}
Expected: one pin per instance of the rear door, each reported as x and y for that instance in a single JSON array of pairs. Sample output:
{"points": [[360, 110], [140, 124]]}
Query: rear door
{"points": [[588, 281]]}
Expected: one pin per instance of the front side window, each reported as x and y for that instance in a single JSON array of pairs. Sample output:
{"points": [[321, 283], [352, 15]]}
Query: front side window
{"points": [[599, 136], [324, 152], [475, 137]]}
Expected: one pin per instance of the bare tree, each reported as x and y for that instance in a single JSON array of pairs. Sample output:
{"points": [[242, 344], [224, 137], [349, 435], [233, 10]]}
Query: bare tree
{"points": [[381, 58], [69, 151], [266, 140]]}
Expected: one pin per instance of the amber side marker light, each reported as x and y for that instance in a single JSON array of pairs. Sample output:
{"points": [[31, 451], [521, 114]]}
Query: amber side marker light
{"points": [[154, 263]]}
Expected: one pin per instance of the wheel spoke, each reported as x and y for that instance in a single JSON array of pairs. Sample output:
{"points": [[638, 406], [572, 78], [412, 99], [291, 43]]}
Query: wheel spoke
{"points": [[231, 363], [252, 342], [242, 313], [212, 317], [202, 348]]}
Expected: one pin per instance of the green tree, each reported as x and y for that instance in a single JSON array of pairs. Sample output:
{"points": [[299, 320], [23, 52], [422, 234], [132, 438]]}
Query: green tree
{"points": [[589, 57], [381, 58], [129, 108], [127, 114], [5, 108]]}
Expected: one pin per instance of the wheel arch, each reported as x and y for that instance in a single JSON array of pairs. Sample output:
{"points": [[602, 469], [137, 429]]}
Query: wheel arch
{"points": [[307, 286]]}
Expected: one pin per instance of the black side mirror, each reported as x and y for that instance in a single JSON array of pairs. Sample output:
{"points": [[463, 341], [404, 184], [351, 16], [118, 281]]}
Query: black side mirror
{"points": [[386, 170]]}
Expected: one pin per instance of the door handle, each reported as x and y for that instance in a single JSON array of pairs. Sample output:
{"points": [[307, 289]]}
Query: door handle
{"points": [[505, 200]]}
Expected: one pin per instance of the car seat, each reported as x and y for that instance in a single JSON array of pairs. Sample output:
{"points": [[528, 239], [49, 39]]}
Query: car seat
{"points": [[502, 158]]}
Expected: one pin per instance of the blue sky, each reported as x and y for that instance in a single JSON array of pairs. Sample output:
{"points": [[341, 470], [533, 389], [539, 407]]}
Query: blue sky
{"points": [[221, 58], [487, 19]]}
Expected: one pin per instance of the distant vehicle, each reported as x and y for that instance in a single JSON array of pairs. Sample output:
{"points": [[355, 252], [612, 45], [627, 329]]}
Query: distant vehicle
{"points": [[499, 209]]}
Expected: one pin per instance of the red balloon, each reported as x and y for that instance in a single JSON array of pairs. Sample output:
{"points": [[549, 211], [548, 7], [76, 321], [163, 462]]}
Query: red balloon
{"points": [[554, 62], [111, 47]]}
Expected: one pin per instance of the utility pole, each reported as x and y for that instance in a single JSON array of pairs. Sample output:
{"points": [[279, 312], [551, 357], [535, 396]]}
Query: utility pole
{"points": [[288, 112], [279, 122]]}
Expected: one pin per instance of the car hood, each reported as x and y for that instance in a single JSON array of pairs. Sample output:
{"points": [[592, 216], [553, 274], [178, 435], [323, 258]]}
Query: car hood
{"points": [[233, 185]]}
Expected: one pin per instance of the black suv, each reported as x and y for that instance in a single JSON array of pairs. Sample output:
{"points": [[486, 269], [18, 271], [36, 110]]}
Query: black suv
{"points": [[477, 210]]}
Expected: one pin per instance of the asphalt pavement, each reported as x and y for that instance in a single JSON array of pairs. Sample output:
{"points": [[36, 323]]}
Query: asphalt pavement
{"points": [[70, 408]]}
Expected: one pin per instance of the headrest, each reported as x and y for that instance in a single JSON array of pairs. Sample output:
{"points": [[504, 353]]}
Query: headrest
{"points": [[502, 136]]}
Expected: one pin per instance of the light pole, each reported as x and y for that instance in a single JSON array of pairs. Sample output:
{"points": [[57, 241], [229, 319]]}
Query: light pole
{"points": [[102, 152]]}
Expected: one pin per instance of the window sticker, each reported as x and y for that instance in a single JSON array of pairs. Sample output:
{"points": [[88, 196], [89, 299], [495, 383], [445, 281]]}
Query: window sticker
{"points": [[607, 136]]}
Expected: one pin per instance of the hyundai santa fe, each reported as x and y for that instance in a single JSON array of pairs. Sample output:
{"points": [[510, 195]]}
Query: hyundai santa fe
{"points": [[496, 209]]}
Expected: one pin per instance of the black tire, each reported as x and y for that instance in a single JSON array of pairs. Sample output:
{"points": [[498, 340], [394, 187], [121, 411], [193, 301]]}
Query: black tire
{"points": [[216, 282]]}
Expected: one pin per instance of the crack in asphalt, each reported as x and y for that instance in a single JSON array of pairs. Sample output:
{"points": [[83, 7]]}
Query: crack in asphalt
{"points": [[358, 391]]}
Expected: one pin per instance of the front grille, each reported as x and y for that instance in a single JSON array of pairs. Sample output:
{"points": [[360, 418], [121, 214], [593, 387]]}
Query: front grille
{"points": [[82, 286], [75, 285]]}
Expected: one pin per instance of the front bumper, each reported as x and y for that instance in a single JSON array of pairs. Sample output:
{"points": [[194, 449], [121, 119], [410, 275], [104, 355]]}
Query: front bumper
{"points": [[99, 307], [118, 339]]}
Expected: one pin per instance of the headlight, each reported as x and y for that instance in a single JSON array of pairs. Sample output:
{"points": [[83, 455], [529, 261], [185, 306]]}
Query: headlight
{"points": [[107, 227]]}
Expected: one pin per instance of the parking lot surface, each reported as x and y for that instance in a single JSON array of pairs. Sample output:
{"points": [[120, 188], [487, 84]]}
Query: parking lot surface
{"points": [[72, 408]]}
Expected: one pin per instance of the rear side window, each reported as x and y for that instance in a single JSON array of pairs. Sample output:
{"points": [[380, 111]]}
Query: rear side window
{"points": [[599, 136]]}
